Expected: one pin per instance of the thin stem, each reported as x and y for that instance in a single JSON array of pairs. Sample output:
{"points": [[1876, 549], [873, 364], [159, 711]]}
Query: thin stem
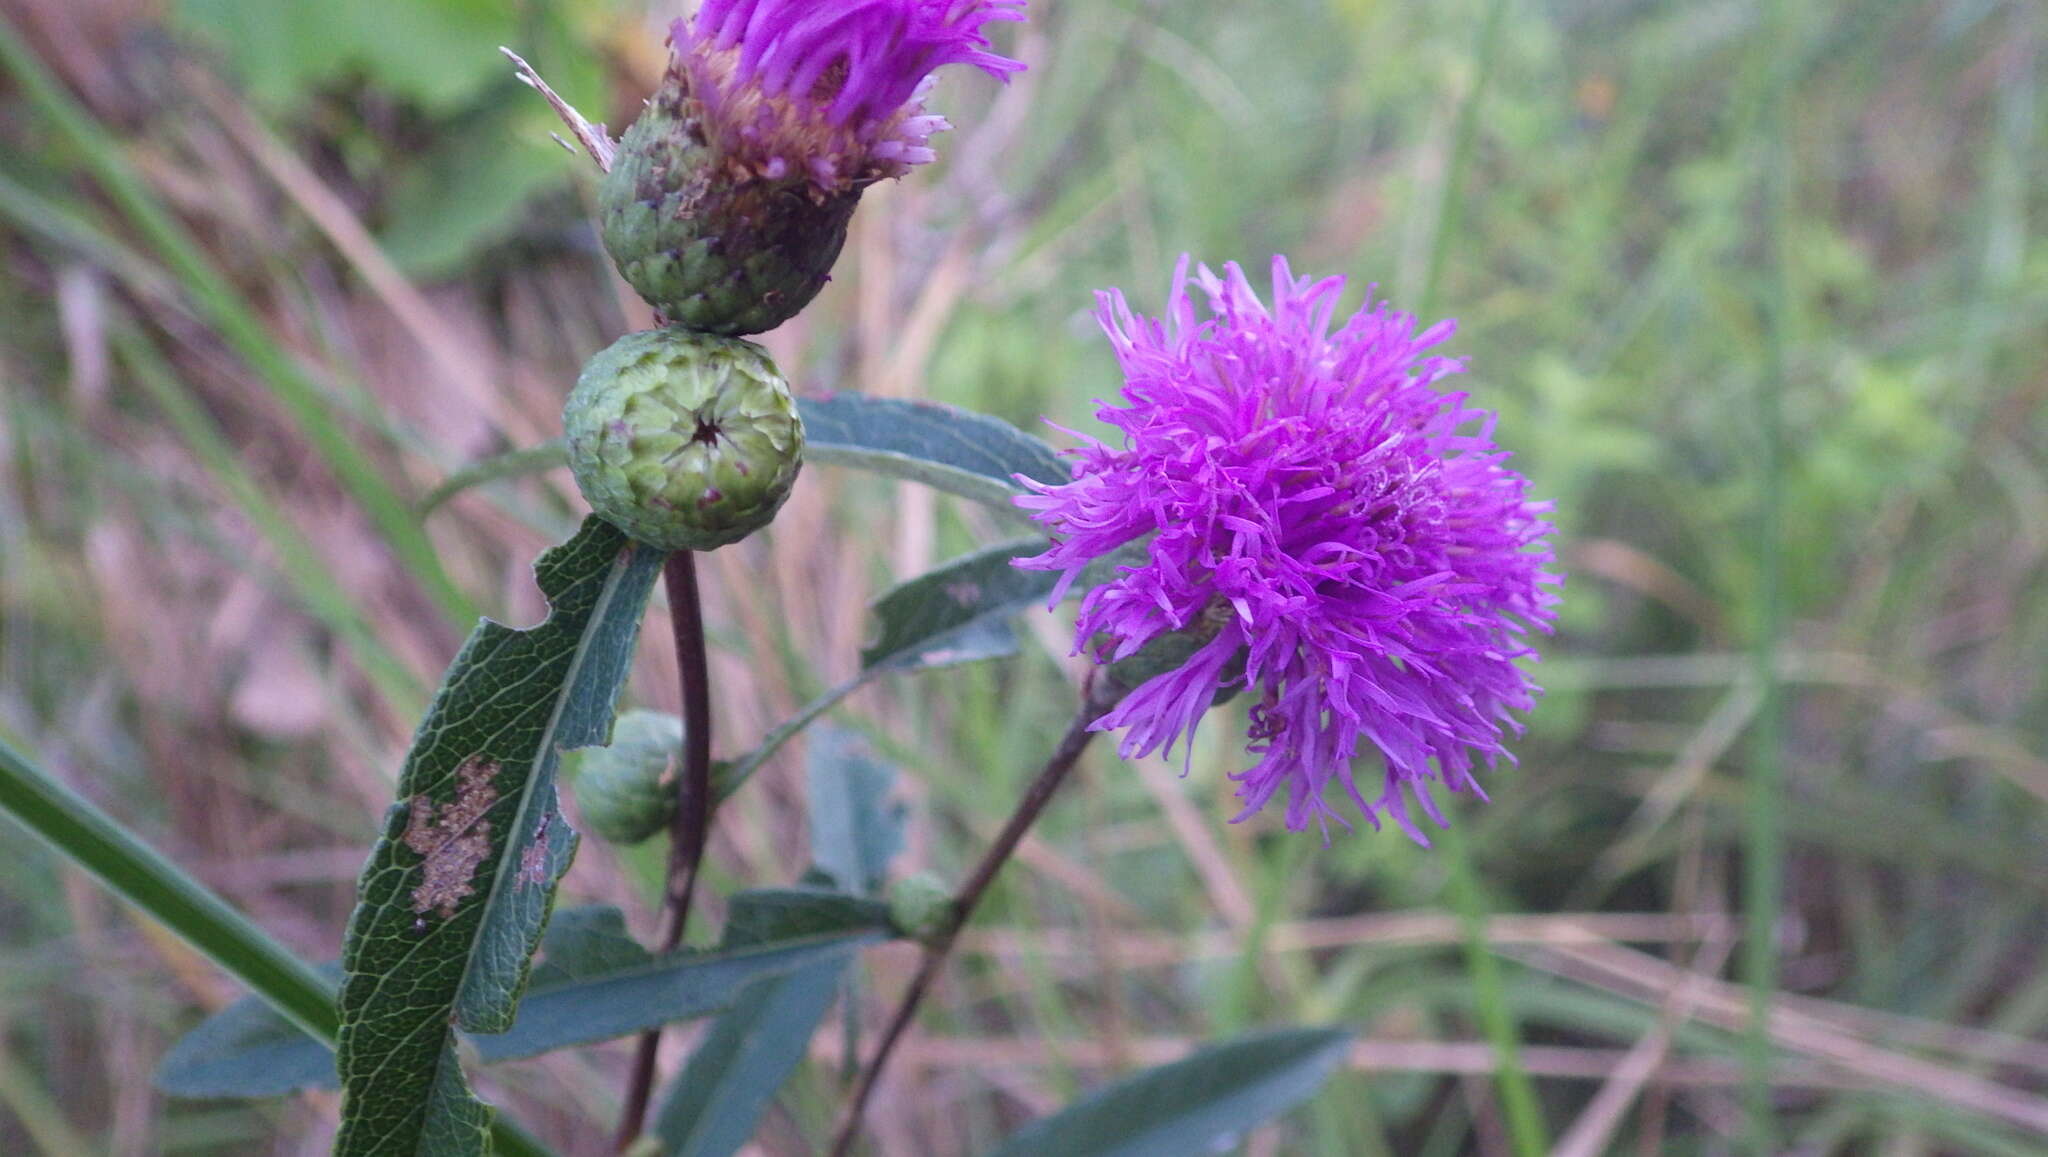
{"points": [[1763, 831], [1095, 701], [692, 821], [1521, 1108]]}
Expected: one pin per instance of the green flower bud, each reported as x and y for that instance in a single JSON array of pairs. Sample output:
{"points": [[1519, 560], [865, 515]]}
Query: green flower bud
{"points": [[921, 907], [627, 792], [714, 244], [684, 440]]}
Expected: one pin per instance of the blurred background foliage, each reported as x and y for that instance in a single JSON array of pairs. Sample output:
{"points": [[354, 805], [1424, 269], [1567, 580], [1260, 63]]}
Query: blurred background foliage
{"points": [[293, 263]]}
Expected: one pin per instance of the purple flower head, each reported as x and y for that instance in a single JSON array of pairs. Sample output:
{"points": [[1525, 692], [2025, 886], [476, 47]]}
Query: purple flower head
{"points": [[833, 89], [1336, 533]]}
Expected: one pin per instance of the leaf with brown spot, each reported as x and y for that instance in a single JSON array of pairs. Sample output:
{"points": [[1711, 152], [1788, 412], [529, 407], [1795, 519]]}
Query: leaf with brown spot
{"points": [[453, 839], [457, 893]]}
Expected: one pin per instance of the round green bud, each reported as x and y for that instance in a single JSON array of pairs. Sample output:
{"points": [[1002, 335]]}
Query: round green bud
{"points": [[714, 245], [684, 440], [921, 907], [626, 792]]}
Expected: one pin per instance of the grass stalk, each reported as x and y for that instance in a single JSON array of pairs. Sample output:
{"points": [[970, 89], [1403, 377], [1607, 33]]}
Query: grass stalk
{"points": [[218, 301], [1523, 1111], [1763, 829], [94, 841]]}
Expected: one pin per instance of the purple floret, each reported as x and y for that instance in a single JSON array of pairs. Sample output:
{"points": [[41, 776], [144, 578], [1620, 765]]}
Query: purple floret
{"points": [[834, 88], [1368, 564]]}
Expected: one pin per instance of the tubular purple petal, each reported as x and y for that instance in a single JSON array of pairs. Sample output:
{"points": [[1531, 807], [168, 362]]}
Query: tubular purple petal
{"points": [[1381, 565], [831, 88]]}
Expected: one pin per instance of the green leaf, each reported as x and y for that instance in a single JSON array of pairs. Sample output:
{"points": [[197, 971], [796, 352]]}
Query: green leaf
{"points": [[585, 943], [594, 984], [247, 1050], [139, 874], [1190, 1106], [856, 829], [621, 1002], [552, 454], [779, 915], [293, 998], [717, 1101], [959, 612], [957, 451], [456, 893]]}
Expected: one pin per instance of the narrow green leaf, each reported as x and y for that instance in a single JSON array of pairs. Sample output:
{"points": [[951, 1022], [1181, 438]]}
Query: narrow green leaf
{"points": [[622, 1002], [549, 455], [139, 874], [956, 614], [595, 984], [856, 829], [717, 1101], [457, 891], [782, 915], [247, 1050], [1190, 1106], [957, 451], [293, 1000], [959, 612]]}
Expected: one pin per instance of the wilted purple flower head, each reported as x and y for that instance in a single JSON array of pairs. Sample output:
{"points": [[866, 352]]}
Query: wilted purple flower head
{"points": [[831, 88], [1333, 530]]}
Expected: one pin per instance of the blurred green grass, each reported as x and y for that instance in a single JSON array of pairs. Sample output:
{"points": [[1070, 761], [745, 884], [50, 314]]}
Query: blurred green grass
{"points": [[179, 626]]}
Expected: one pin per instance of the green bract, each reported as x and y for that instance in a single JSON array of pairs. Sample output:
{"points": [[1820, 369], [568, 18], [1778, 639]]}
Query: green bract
{"points": [[686, 441], [626, 792], [711, 244]]}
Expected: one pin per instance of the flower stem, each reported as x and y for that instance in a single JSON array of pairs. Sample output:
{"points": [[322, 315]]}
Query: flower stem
{"points": [[1096, 699], [692, 822]]}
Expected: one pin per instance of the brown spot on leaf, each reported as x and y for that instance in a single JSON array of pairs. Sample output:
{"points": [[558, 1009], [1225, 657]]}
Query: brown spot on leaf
{"points": [[453, 839], [533, 860]]}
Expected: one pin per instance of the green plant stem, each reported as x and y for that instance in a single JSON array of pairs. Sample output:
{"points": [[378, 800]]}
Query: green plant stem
{"points": [[691, 825], [1523, 1111], [1465, 137], [1764, 834], [139, 874], [217, 300], [1098, 698]]}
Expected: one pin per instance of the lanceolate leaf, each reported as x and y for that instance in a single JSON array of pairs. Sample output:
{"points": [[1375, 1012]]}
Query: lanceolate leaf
{"points": [[1191, 1106], [453, 901], [593, 984], [958, 613], [957, 451], [856, 829], [716, 1103]]}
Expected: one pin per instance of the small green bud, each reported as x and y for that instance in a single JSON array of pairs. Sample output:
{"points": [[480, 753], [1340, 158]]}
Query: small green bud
{"points": [[921, 907], [714, 244], [648, 1145], [627, 792], [684, 440]]}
